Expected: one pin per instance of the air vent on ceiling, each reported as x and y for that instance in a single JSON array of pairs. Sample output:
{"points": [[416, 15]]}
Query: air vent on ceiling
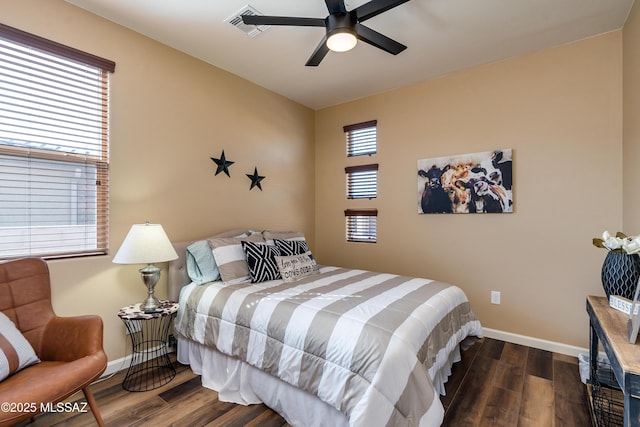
{"points": [[250, 30]]}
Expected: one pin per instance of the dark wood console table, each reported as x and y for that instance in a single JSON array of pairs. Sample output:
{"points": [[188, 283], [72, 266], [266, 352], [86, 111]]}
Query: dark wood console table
{"points": [[608, 327]]}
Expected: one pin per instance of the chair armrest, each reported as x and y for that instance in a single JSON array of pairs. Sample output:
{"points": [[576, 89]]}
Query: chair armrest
{"points": [[70, 338]]}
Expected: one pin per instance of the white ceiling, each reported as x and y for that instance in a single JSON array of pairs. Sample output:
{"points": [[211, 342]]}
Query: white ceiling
{"points": [[442, 36]]}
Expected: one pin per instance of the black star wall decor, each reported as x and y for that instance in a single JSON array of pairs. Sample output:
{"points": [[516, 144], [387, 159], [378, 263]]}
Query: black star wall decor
{"points": [[223, 164], [255, 179]]}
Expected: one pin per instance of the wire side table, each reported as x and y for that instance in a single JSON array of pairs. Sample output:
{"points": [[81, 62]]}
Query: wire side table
{"points": [[150, 365]]}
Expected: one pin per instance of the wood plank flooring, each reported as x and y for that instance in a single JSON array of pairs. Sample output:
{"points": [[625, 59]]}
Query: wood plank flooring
{"points": [[505, 384], [495, 384]]}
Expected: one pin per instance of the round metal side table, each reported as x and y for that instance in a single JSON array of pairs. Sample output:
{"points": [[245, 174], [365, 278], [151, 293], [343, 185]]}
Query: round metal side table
{"points": [[150, 365]]}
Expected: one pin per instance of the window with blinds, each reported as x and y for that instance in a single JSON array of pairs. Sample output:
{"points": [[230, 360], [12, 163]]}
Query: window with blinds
{"points": [[54, 153], [362, 138], [362, 181], [361, 225]]}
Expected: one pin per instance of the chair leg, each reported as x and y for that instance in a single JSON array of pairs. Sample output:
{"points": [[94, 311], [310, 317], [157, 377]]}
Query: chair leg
{"points": [[93, 405]]}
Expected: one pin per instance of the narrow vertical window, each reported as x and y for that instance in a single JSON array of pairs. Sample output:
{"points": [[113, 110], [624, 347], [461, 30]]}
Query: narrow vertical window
{"points": [[362, 138], [54, 152], [362, 225], [362, 181]]}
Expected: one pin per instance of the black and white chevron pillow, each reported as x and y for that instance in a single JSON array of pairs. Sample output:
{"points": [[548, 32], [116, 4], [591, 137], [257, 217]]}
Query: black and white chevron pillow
{"points": [[261, 260], [291, 247]]}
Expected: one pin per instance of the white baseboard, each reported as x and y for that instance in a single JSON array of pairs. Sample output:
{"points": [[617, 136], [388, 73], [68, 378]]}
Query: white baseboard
{"points": [[538, 343], [117, 365]]}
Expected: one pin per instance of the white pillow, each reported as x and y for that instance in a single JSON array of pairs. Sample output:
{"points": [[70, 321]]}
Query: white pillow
{"points": [[15, 351]]}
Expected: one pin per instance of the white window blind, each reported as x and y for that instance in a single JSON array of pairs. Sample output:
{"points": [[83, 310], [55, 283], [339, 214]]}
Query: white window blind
{"points": [[362, 181], [361, 225], [54, 165], [361, 138]]}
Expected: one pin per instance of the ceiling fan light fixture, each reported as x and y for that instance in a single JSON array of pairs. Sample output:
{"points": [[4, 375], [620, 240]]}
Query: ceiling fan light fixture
{"points": [[343, 27], [341, 41]]}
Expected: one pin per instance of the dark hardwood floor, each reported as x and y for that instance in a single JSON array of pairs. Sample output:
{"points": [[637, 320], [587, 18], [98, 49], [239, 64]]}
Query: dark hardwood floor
{"points": [[504, 384], [495, 384]]}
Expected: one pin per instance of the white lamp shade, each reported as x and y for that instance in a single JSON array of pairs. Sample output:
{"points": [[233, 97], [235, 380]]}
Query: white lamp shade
{"points": [[145, 244], [341, 41]]}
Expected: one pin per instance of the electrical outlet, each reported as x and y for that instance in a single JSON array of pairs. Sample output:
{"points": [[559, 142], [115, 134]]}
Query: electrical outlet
{"points": [[495, 297]]}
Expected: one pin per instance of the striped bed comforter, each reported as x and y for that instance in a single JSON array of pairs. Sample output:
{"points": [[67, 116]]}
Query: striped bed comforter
{"points": [[365, 343]]}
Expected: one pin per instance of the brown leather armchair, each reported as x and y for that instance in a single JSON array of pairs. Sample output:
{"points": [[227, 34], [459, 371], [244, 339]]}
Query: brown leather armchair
{"points": [[70, 348]]}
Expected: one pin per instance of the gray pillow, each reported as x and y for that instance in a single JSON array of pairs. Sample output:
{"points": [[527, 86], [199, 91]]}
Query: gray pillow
{"points": [[230, 257], [270, 235]]}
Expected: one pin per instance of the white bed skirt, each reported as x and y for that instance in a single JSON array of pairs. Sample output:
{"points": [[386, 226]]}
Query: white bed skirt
{"points": [[238, 382]]}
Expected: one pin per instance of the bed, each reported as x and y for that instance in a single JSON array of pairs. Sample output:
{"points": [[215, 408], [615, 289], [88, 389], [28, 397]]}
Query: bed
{"points": [[321, 345]]}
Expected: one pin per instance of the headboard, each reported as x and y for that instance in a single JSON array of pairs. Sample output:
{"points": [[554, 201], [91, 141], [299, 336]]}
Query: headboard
{"points": [[178, 277]]}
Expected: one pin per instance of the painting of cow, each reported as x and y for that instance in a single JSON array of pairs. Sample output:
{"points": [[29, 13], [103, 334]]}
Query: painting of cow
{"points": [[467, 183]]}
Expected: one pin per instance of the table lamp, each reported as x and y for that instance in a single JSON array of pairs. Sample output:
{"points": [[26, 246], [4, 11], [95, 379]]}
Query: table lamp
{"points": [[146, 243]]}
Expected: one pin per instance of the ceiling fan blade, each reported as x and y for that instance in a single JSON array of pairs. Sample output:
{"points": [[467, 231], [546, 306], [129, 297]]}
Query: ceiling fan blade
{"points": [[318, 54], [282, 20], [375, 8], [336, 6], [378, 40]]}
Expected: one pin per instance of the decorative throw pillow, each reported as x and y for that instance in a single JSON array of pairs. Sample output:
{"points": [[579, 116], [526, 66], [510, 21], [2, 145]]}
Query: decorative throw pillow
{"points": [[261, 260], [270, 236], [230, 257], [15, 351], [236, 232], [291, 247], [201, 266], [295, 267]]}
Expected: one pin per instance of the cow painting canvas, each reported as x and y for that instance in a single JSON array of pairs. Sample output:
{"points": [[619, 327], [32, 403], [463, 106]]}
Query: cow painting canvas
{"points": [[467, 183]]}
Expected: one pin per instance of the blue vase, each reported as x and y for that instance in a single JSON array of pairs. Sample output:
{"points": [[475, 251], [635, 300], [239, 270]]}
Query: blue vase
{"points": [[620, 274]]}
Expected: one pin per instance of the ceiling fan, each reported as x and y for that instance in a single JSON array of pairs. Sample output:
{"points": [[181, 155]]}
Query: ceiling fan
{"points": [[343, 27]]}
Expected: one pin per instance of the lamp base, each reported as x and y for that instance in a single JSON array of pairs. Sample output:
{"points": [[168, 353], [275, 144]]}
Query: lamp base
{"points": [[150, 275], [150, 305]]}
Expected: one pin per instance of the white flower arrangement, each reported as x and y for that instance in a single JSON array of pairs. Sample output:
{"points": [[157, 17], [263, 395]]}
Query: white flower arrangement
{"points": [[620, 243]]}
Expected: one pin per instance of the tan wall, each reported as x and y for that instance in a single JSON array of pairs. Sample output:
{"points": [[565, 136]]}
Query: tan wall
{"points": [[169, 114], [631, 128], [560, 110]]}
